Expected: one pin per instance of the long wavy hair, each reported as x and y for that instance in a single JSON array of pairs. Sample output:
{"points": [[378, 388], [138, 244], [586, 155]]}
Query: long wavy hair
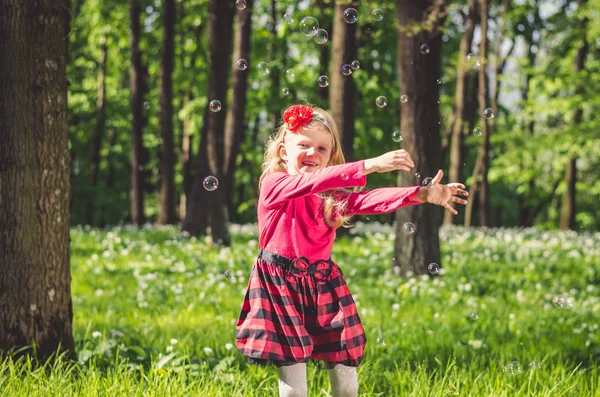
{"points": [[334, 202]]}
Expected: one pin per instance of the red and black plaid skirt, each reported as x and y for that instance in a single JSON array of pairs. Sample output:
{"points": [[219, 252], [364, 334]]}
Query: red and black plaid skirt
{"points": [[295, 311]]}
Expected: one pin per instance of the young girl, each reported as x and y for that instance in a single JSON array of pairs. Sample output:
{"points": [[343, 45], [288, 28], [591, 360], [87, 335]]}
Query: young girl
{"points": [[298, 306]]}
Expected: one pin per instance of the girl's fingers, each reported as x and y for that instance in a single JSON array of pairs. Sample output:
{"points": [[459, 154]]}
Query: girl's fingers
{"points": [[437, 178], [452, 210], [458, 200], [462, 192]]}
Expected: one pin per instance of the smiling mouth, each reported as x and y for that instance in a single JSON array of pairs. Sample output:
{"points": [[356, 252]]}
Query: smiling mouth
{"points": [[309, 164]]}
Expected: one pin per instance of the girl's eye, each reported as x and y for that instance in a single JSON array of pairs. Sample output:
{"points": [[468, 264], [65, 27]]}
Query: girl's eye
{"points": [[322, 149], [303, 145]]}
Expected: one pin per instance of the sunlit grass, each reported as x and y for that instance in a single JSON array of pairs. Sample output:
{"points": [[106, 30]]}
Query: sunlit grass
{"points": [[155, 311]]}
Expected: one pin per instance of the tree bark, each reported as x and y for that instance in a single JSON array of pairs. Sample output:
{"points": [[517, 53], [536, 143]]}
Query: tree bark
{"points": [[204, 205], [35, 188], [419, 123], [567, 214], [136, 76], [457, 146], [167, 214], [99, 135], [234, 127], [342, 90], [324, 51]]}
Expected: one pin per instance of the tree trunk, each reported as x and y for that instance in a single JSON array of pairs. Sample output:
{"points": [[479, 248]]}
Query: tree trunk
{"points": [[342, 91], [234, 128], [567, 214], [99, 135], [136, 76], [460, 122], [166, 212], [211, 157], [419, 123], [35, 188], [275, 49], [324, 51], [479, 189]]}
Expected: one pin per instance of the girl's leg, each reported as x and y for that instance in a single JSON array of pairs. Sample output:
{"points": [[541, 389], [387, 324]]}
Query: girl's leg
{"points": [[292, 380], [344, 381]]}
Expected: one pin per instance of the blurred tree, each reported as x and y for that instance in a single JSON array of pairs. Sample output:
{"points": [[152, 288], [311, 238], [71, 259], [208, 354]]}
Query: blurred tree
{"points": [[167, 209], [35, 294], [419, 70]]}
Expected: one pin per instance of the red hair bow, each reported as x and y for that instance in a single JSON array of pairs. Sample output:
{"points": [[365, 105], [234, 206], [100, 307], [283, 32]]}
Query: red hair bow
{"points": [[297, 116]]}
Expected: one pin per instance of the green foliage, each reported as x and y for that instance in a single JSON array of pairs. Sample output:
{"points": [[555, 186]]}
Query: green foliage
{"points": [[155, 312]]}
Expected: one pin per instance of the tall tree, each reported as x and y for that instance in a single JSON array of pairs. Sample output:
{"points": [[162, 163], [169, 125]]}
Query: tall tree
{"points": [[419, 24], [342, 90], [136, 76], [236, 113], [461, 123], [210, 207], [35, 295], [567, 214], [100, 130], [167, 212], [480, 187]]}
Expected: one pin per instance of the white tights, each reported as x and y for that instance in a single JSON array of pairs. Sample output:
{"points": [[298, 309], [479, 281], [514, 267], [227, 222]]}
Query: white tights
{"points": [[292, 381]]}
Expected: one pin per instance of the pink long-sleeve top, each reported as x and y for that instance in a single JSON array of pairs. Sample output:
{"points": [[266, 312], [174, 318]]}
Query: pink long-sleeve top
{"points": [[290, 212]]}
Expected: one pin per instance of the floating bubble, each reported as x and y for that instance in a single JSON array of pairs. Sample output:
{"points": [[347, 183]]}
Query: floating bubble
{"points": [[344, 177], [229, 275], [285, 91], [377, 14], [210, 183], [403, 98], [488, 113], [426, 182], [397, 136], [425, 49], [321, 36], [263, 68], [439, 81], [534, 365], [417, 175], [288, 17], [241, 4], [323, 81], [242, 64], [380, 341], [408, 228], [381, 101], [472, 60], [146, 105], [514, 368], [563, 302], [477, 131], [290, 74], [473, 316], [309, 26], [355, 65], [433, 268], [350, 15], [215, 105], [347, 70]]}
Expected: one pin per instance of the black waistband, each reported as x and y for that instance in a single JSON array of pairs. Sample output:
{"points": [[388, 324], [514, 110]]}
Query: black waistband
{"points": [[279, 260]]}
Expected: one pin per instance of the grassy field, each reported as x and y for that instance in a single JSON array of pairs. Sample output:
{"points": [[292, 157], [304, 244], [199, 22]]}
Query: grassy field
{"points": [[512, 313]]}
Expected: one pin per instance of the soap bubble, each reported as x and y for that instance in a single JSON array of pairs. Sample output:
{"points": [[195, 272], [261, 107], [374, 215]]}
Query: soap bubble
{"points": [[377, 14], [397, 136], [433, 268], [309, 26], [350, 15], [426, 182], [263, 68], [563, 302], [472, 60], [323, 81], [285, 91], [215, 105], [514, 368], [290, 74], [381, 101], [477, 131], [241, 4], [321, 36], [210, 183], [288, 17], [346, 70], [355, 65], [473, 316], [242, 64], [488, 113], [403, 98], [425, 49], [408, 228]]}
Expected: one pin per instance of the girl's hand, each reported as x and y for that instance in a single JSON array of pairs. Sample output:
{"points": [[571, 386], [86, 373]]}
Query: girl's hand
{"points": [[390, 161], [442, 195]]}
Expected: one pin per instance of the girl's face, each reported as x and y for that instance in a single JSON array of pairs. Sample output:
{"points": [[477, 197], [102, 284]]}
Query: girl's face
{"points": [[307, 150]]}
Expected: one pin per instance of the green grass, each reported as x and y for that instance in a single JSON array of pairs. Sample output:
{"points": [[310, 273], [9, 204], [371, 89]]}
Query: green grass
{"points": [[154, 315]]}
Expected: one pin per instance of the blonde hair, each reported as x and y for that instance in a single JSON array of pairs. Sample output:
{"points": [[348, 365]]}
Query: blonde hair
{"points": [[333, 204]]}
